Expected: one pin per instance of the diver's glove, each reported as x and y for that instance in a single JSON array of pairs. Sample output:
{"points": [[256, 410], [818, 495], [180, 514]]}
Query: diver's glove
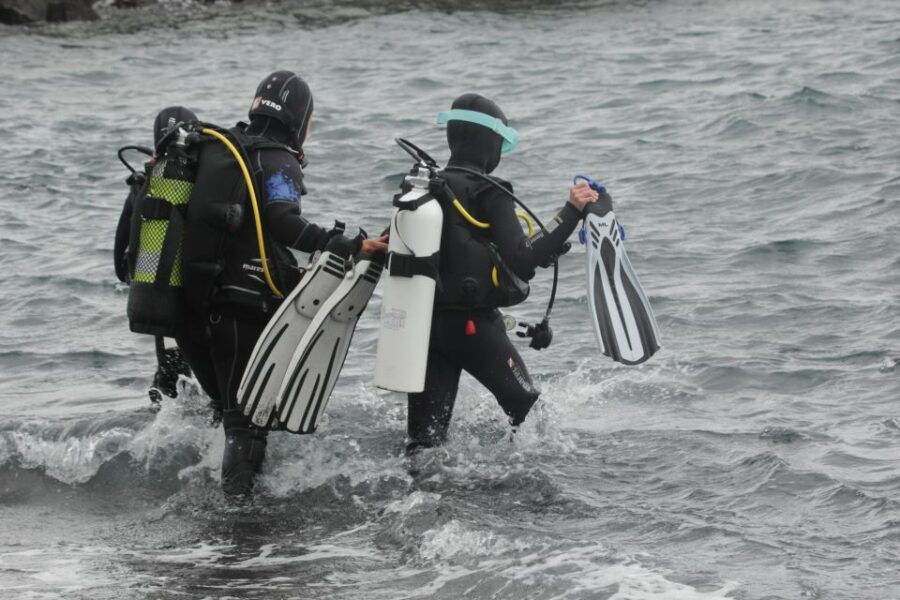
{"points": [[170, 364], [343, 246], [339, 228]]}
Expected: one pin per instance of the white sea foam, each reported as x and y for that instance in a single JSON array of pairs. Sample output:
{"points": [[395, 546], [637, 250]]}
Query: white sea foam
{"points": [[457, 553], [75, 454], [70, 459], [45, 572]]}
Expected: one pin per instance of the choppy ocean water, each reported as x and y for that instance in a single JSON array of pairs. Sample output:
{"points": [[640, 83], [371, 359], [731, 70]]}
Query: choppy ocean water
{"points": [[752, 150]]}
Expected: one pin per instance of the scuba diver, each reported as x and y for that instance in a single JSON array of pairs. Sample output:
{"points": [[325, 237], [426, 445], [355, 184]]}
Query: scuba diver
{"points": [[227, 309], [467, 331], [170, 361]]}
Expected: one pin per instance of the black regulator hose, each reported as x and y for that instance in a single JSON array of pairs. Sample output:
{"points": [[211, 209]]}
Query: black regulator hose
{"points": [[141, 149]]}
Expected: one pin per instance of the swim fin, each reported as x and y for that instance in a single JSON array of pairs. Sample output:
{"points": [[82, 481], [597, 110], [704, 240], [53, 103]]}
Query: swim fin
{"points": [[623, 320], [319, 357], [268, 363]]}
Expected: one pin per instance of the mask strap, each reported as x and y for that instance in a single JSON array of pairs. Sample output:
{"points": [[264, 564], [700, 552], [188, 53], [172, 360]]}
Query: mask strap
{"points": [[510, 136]]}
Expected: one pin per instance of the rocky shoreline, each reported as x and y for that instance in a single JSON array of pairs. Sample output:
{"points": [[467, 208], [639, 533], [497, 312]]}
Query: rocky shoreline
{"points": [[23, 12], [27, 12]]}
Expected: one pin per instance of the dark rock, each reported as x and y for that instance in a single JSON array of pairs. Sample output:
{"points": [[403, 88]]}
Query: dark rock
{"points": [[132, 3], [20, 12], [70, 10]]}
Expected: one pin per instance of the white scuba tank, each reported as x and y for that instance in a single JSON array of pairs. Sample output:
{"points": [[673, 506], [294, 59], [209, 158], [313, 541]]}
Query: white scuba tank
{"points": [[408, 301]]}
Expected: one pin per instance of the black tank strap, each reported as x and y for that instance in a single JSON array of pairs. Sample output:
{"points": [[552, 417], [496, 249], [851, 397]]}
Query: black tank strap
{"points": [[404, 265], [154, 207], [413, 204]]}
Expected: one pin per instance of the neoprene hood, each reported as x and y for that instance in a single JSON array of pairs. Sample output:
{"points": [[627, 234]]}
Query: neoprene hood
{"points": [[285, 97], [471, 144]]}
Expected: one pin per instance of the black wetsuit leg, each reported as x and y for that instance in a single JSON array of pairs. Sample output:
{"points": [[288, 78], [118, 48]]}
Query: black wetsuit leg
{"points": [[488, 355], [194, 345], [232, 342], [218, 348], [429, 412]]}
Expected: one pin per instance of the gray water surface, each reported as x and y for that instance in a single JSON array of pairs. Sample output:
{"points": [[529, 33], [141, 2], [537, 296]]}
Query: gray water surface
{"points": [[753, 152]]}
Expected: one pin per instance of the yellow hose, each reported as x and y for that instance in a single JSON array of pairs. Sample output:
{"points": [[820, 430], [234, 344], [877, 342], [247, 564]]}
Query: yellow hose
{"points": [[528, 222], [250, 188], [468, 217], [482, 225]]}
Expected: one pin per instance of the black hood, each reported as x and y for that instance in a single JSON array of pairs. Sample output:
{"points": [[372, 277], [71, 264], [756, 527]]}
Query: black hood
{"points": [[473, 145], [285, 97], [168, 118]]}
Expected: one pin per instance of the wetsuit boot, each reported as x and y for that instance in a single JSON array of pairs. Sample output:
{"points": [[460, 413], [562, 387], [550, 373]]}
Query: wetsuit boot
{"points": [[245, 450]]}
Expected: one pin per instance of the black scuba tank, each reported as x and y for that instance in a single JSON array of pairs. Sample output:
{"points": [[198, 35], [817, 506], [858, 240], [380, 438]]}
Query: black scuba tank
{"points": [[155, 300]]}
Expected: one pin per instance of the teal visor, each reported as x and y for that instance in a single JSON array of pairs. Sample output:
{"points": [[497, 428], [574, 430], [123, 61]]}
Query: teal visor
{"points": [[510, 136]]}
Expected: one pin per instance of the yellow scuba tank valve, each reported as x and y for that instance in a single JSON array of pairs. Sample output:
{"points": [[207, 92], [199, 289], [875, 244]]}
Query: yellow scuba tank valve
{"points": [[251, 189]]}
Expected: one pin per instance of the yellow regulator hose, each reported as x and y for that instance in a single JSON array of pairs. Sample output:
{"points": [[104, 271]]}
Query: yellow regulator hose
{"points": [[468, 217], [482, 225]]}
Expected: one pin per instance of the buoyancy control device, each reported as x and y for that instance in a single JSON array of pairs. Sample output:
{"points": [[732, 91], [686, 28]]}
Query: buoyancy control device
{"points": [[473, 275], [171, 245]]}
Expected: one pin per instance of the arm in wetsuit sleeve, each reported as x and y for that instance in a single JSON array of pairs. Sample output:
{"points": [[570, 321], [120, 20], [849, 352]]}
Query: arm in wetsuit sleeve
{"points": [[123, 232], [282, 185], [521, 254]]}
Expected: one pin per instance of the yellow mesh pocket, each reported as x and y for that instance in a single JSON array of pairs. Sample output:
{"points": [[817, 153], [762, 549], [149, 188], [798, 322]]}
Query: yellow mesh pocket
{"points": [[174, 191], [153, 236]]}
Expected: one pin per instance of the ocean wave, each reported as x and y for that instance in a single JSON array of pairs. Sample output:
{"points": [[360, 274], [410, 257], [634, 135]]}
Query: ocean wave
{"points": [[815, 98], [75, 451]]}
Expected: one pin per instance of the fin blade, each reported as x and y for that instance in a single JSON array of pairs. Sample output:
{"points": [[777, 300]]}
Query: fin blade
{"points": [[321, 353], [257, 392], [623, 320]]}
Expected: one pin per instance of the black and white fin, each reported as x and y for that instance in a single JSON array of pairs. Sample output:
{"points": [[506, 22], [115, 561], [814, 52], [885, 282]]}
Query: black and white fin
{"points": [[622, 317], [319, 357], [269, 360]]}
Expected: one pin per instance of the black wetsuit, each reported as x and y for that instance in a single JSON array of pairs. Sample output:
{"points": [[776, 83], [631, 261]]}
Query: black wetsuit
{"points": [[487, 354], [218, 341], [123, 231]]}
